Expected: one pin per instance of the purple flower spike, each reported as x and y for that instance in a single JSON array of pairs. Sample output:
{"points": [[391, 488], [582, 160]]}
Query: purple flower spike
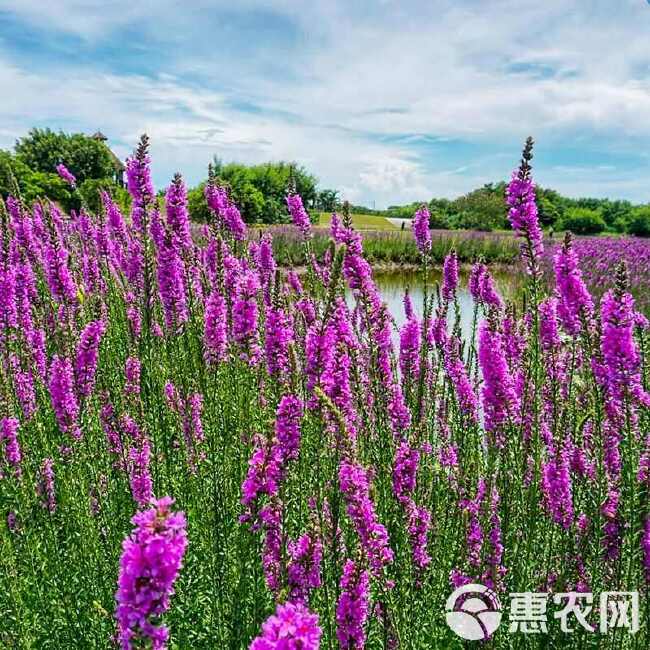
{"points": [[66, 175], [151, 559], [292, 627], [421, 231]]}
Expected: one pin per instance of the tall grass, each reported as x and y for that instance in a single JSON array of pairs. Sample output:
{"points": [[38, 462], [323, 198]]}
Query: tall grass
{"points": [[399, 247]]}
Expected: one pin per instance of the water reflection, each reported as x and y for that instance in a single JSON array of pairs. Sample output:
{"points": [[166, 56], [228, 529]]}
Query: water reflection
{"points": [[393, 285]]}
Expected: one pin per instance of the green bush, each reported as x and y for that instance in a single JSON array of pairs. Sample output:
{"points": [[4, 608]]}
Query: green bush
{"points": [[196, 204], [89, 192], [483, 209], [639, 222], [583, 221], [36, 185], [42, 149]]}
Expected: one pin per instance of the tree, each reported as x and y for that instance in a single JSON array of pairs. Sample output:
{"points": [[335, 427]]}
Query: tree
{"points": [[441, 213], [639, 221], [328, 200], [36, 185], [13, 173], [482, 209], [42, 150], [548, 213], [616, 214], [196, 204], [583, 221], [259, 191], [89, 192]]}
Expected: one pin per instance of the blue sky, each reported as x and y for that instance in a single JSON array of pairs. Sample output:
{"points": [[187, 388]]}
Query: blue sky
{"points": [[388, 101]]}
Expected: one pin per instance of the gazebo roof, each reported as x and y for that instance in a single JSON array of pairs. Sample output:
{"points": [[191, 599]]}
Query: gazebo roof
{"points": [[98, 135]]}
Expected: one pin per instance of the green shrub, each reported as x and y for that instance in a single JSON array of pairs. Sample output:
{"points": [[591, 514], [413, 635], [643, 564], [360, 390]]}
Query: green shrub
{"points": [[89, 192], [583, 221], [639, 222], [36, 185], [197, 205]]}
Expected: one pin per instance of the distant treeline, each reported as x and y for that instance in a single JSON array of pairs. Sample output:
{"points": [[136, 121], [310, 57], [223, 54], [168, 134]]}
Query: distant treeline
{"points": [[484, 209], [260, 190]]}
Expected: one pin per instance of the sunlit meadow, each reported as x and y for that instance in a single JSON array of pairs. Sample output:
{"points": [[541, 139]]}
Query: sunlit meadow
{"points": [[199, 449]]}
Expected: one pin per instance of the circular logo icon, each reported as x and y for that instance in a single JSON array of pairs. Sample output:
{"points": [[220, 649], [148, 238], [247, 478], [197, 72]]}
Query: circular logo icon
{"points": [[473, 612]]}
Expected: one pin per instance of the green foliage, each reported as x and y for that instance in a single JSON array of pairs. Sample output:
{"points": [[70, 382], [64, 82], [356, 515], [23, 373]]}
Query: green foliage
{"points": [[328, 200], [17, 178], [550, 205], [639, 222], [42, 150], [398, 247], [36, 185], [439, 220], [401, 211], [548, 212], [259, 191], [583, 221], [616, 213], [361, 221], [198, 208], [89, 193], [12, 173], [483, 209]]}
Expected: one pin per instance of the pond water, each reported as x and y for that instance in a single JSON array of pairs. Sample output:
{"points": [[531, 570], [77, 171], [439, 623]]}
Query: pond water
{"points": [[393, 286]]}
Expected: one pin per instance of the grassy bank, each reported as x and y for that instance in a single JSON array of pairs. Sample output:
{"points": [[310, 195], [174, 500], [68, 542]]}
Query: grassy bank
{"points": [[361, 221], [398, 247]]}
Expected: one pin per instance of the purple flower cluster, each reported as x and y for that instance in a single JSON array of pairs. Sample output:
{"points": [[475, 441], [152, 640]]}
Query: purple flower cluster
{"points": [[215, 338], [450, 276], [409, 350], [421, 230], [267, 465], [139, 184], [171, 283], [139, 475], [66, 175], [152, 557], [575, 303], [557, 488], [178, 218], [62, 395], [622, 361], [292, 627], [223, 208], [499, 396], [459, 376], [245, 314], [304, 567], [46, 485], [57, 273], [353, 607], [87, 355], [299, 215], [132, 370], [520, 198], [278, 336], [355, 486], [9, 439], [481, 286]]}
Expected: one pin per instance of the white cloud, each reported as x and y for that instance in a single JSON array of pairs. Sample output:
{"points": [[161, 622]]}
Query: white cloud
{"points": [[354, 79]]}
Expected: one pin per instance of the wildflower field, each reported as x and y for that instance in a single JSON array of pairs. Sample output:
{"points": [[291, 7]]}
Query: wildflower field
{"points": [[200, 451]]}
